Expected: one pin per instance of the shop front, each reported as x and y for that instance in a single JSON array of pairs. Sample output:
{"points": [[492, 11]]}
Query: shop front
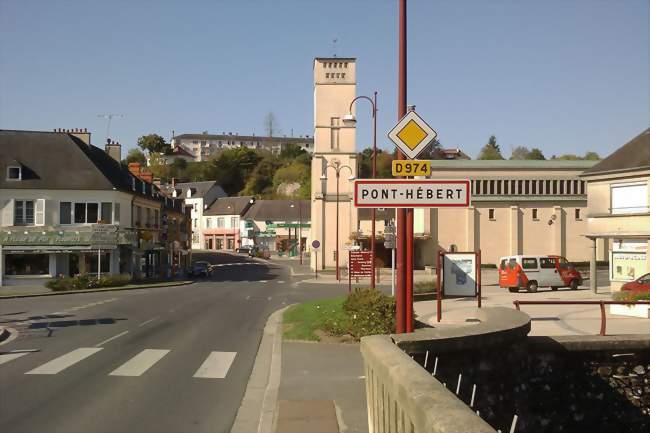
{"points": [[29, 256]]}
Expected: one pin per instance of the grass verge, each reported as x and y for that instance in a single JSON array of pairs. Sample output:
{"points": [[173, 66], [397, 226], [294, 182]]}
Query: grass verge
{"points": [[300, 321]]}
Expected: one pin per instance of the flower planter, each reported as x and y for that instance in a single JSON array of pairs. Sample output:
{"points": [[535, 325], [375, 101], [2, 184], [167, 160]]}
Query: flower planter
{"points": [[642, 311]]}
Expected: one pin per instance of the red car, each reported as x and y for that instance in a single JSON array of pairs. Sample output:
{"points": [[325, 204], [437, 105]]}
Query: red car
{"points": [[641, 284]]}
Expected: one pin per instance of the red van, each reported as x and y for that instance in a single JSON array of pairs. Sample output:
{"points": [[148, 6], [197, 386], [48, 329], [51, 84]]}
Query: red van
{"points": [[530, 272]]}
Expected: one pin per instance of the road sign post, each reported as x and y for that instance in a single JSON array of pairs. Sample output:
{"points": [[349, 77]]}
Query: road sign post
{"points": [[315, 244]]}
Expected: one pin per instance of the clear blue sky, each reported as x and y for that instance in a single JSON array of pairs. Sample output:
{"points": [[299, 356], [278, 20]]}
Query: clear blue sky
{"points": [[564, 76]]}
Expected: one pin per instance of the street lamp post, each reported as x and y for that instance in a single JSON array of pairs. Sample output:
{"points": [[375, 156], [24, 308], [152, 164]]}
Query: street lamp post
{"points": [[337, 169], [351, 120], [299, 229]]}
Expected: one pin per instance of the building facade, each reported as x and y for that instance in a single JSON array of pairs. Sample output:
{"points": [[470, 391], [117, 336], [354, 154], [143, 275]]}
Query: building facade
{"points": [[221, 220], [276, 225], [70, 208], [202, 146], [618, 195]]}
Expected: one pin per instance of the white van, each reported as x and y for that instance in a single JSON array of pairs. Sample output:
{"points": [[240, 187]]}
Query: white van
{"points": [[531, 271]]}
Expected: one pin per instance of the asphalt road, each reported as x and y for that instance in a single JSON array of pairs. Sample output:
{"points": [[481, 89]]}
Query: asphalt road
{"points": [[174, 359]]}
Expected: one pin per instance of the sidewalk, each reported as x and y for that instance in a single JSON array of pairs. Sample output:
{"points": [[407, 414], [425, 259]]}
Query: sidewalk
{"points": [[322, 389]]}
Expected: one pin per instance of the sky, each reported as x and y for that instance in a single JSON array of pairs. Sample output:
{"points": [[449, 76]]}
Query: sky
{"points": [[565, 76]]}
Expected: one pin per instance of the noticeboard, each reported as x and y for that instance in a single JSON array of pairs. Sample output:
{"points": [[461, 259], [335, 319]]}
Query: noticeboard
{"points": [[360, 264], [459, 274]]}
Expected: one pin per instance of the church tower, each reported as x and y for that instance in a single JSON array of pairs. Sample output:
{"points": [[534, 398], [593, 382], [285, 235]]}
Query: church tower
{"points": [[334, 146]]}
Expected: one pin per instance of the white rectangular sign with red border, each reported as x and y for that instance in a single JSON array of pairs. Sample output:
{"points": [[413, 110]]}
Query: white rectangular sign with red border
{"points": [[405, 193]]}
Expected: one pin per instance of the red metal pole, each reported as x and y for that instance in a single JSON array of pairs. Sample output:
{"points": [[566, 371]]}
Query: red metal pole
{"points": [[438, 288], [409, 270], [300, 223], [603, 319], [349, 275], [478, 276], [400, 290], [374, 175]]}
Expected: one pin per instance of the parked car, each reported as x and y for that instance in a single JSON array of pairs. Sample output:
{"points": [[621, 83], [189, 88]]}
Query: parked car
{"points": [[641, 284], [243, 250], [200, 269], [533, 271]]}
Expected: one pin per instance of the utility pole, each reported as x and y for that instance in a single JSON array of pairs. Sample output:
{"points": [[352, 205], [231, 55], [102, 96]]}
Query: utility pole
{"points": [[109, 117]]}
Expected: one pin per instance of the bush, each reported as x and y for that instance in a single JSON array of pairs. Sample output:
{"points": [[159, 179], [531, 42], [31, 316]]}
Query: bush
{"points": [[425, 287], [367, 312], [632, 296], [87, 281]]}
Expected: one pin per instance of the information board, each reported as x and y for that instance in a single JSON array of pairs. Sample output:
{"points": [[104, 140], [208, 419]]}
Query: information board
{"points": [[360, 264]]}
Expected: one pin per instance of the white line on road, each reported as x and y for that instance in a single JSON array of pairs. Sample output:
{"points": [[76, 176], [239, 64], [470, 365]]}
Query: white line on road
{"points": [[62, 362], [147, 321], [111, 339], [6, 357], [280, 281], [140, 363], [216, 365], [263, 281]]}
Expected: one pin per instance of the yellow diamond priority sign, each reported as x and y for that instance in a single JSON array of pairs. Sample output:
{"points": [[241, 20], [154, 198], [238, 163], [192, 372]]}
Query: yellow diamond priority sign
{"points": [[412, 135]]}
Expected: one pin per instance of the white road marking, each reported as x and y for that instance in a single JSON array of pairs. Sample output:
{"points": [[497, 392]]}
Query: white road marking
{"points": [[62, 362], [140, 363], [6, 357], [280, 281], [111, 339], [147, 321], [216, 365], [264, 281]]}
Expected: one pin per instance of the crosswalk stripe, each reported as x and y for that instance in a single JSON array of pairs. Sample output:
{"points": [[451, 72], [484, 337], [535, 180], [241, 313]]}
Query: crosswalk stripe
{"points": [[6, 357], [140, 363], [62, 362], [216, 365]]}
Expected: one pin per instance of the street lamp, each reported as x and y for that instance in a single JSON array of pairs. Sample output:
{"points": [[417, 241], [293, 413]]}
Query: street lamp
{"points": [[299, 228], [337, 169], [350, 120]]}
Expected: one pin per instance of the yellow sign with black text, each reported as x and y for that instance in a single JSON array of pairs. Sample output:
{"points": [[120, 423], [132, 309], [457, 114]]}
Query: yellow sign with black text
{"points": [[406, 167]]}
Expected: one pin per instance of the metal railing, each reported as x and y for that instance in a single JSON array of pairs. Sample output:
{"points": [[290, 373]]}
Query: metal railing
{"points": [[603, 318]]}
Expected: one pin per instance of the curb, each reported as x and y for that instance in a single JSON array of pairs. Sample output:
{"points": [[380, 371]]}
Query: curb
{"points": [[108, 289], [257, 412]]}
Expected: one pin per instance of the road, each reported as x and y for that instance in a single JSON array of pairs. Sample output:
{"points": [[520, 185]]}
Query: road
{"points": [[174, 359]]}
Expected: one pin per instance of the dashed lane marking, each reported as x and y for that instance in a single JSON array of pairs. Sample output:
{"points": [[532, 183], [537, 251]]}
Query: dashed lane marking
{"points": [[6, 357], [112, 338]]}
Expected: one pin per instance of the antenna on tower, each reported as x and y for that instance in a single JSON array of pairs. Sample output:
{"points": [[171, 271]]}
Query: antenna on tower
{"points": [[334, 42], [109, 117]]}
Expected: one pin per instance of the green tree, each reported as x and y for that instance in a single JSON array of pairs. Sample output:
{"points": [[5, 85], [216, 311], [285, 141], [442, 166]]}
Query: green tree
{"points": [[535, 153], [491, 150], [260, 181], [291, 151], [592, 156], [231, 168], [520, 152], [154, 143], [135, 155]]}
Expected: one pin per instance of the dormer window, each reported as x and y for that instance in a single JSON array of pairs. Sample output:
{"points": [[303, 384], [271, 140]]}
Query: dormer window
{"points": [[14, 172]]}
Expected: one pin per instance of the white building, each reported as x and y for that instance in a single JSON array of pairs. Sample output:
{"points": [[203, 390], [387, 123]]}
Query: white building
{"points": [[199, 195], [202, 146]]}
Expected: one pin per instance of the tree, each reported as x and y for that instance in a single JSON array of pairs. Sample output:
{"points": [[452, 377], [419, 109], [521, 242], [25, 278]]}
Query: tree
{"points": [[179, 164], [520, 152], [135, 155], [592, 156], [537, 154], [260, 181], [231, 168], [291, 151], [491, 150], [271, 124], [154, 143]]}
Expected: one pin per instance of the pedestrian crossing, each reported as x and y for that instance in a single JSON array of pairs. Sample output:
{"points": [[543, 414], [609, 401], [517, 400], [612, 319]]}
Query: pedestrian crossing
{"points": [[216, 365]]}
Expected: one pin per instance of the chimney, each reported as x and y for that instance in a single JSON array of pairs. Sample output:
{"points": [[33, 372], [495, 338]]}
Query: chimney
{"points": [[173, 183], [81, 134], [114, 150], [134, 168]]}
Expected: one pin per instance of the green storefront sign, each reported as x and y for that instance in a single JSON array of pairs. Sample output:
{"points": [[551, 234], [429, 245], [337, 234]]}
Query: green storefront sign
{"points": [[65, 237], [288, 226]]}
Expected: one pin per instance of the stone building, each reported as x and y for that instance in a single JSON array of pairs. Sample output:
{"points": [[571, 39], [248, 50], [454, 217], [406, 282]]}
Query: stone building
{"points": [[618, 195]]}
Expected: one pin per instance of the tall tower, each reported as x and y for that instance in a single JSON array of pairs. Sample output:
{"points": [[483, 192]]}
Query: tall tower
{"points": [[334, 145]]}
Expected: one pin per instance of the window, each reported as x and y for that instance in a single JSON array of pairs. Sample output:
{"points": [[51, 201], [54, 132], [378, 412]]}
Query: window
{"points": [[133, 183], [148, 220], [520, 187], [534, 187], [492, 187], [196, 222], [629, 198], [334, 123], [116, 216], [107, 212], [233, 222], [27, 264], [343, 75], [65, 212], [156, 214], [144, 187], [512, 263], [327, 75], [208, 223], [499, 187], [478, 187], [14, 172], [86, 213], [577, 213], [554, 187], [24, 213], [529, 263], [138, 215], [526, 187], [491, 214], [561, 186], [220, 222], [547, 263], [535, 216]]}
